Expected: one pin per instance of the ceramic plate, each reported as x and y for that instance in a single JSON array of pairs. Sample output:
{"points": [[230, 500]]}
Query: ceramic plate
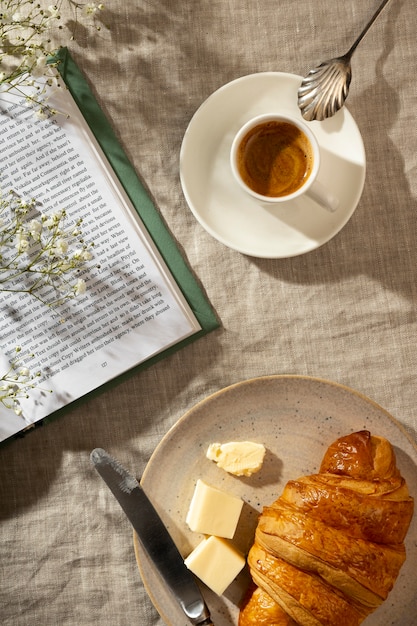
{"points": [[241, 222], [296, 418]]}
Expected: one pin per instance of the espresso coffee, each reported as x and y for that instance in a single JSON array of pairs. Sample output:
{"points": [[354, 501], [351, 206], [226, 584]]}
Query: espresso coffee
{"points": [[275, 158]]}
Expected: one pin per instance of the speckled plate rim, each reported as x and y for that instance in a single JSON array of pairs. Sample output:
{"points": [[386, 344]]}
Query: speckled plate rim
{"points": [[143, 566]]}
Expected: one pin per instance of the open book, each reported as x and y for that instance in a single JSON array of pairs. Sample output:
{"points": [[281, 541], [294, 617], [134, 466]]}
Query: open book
{"points": [[141, 299]]}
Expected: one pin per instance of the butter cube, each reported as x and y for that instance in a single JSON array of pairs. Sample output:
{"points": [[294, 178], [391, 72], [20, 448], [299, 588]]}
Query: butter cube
{"points": [[241, 458], [213, 512], [216, 562]]}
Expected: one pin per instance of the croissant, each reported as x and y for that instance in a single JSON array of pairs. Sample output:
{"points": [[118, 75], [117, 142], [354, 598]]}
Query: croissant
{"points": [[330, 548]]}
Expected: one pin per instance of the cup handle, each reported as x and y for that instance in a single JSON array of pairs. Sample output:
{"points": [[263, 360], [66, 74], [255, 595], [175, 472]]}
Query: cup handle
{"points": [[320, 194]]}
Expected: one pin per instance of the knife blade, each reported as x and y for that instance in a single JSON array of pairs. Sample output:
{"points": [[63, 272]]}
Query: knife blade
{"points": [[153, 536]]}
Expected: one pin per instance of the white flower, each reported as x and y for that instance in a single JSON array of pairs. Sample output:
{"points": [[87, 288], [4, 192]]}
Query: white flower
{"points": [[35, 229], [38, 68], [91, 8], [82, 255], [22, 243], [80, 287], [8, 387], [61, 247], [40, 114], [17, 17], [52, 220], [53, 12]]}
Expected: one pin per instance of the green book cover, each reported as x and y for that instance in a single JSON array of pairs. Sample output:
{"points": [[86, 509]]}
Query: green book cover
{"points": [[33, 151]]}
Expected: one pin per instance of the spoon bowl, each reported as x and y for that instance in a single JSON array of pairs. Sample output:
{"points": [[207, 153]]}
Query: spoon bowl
{"points": [[325, 88]]}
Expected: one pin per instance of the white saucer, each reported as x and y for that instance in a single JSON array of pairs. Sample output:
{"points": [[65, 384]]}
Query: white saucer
{"points": [[240, 222]]}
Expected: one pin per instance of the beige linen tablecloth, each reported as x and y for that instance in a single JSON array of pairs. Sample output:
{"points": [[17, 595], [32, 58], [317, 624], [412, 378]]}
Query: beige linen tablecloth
{"points": [[344, 312]]}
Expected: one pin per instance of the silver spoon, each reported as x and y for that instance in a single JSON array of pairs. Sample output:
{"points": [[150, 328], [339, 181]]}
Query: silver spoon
{"points": [[324, 90]]}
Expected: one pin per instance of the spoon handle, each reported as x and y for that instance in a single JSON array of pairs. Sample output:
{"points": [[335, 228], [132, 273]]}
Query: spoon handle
{"points": [[365, 30]]}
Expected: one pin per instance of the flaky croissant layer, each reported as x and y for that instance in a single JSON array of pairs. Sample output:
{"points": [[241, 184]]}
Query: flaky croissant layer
{"points": [[328, 551]]}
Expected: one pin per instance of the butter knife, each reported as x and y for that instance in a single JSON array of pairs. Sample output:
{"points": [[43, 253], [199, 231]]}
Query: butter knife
{"points": [[153, 536]]}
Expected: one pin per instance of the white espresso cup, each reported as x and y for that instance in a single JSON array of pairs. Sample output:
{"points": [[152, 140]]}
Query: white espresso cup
{"points": [[276, 158]]}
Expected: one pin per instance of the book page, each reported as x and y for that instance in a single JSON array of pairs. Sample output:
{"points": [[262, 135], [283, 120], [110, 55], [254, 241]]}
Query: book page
{"points": [[132, 308]]}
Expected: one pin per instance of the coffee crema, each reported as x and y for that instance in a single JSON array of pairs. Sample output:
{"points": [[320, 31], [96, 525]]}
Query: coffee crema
{"points": [[275, 158]]}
